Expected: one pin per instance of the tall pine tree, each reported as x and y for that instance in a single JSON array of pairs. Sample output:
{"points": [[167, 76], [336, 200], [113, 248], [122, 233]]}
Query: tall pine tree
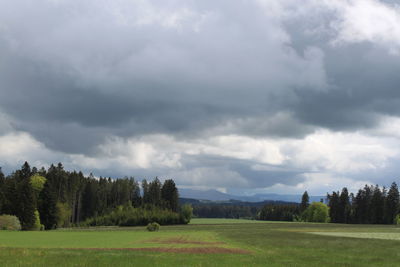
{"points": [[334, 207], [377, 205], [392, 203], [155, 192], [305, 201], [2, 194], [48, 207], [169, 194], [26, 205], [344, 206]]}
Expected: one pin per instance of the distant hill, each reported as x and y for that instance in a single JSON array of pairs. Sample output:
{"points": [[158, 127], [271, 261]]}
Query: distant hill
{"points": [[231, 202], [214, 195]]}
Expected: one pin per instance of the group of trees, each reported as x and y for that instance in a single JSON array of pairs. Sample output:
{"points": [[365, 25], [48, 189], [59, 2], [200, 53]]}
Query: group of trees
{"points": [[224, 211], [60, 198], [371, 204], [22, 194], [279, 212]]}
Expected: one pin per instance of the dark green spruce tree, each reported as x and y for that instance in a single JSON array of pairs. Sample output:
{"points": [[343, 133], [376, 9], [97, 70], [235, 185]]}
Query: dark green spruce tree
{"points": [[169, 194], [48, 207], [377, 206], [305, 202], [146, 194], [155, 192], [344, 206], [2, 189], [334, 207], [392, 203], [26, 205], [25, 173]]}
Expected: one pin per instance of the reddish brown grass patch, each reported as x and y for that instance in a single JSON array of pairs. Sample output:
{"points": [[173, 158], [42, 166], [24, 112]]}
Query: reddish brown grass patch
{"points": [[181, 240]]}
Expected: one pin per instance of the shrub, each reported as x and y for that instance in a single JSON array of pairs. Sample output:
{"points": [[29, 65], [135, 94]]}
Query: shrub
{"points": [[9, 222], [130, 216], [37, 226], [151, 227], [397, 219], [186, 213]]}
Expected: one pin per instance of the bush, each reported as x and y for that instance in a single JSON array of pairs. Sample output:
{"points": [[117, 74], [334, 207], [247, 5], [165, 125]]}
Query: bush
{"points": [[151, 227], [186, 213], [9, 222], [37, 226], [130, 216], [397, 219]]}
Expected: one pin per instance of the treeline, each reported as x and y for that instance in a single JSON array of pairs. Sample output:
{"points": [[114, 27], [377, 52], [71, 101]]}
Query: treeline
{"points": [[224, 211], [60, 198], [279, 212], [371, 205], [129, 216]]}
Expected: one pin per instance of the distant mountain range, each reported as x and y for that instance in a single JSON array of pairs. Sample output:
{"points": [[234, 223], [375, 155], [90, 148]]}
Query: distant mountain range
{"points": [[214, 195]]}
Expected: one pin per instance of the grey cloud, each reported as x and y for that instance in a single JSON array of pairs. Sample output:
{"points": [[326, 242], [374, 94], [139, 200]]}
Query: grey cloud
{"points": [[73, 74], [147, 78], [261, 176]]}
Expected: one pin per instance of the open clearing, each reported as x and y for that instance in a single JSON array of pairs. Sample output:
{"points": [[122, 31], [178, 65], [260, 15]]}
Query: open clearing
{"points": [[206, 242]]}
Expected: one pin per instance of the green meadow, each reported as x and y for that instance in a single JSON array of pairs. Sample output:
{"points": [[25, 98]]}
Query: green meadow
{"points": [[206, 242]]}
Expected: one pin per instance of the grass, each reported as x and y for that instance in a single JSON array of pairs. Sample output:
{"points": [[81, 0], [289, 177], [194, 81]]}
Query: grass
{"points": [[99, 239], [222, 221], [268, 244]]}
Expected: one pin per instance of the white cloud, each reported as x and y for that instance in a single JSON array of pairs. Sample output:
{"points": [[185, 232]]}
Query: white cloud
{"points": [[18, 147], [317, 184], [341, 152], [367, 20], [329, 160]]}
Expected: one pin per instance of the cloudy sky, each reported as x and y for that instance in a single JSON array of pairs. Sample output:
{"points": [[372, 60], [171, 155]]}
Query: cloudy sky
{"points": [[241, 96]]}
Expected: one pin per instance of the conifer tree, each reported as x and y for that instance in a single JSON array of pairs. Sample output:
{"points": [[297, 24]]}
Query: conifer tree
{"points": [[305, 202], [155, 192], [334, 207], [26, 205], [392, 203], [25, 172], [145, 189], [377, 205], [169, 194], [48, 207], [344, 206], [2, 188]]}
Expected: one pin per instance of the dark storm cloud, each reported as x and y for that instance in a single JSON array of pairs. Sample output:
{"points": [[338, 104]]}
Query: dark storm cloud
{"points": [[147, 78], [362, 76]]}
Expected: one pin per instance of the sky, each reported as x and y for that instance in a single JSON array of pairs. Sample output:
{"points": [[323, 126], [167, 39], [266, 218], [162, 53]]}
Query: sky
{"points": [[245, 97]]}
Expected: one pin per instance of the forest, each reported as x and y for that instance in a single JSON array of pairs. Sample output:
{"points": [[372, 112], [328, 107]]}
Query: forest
{"points": [[48, 199], [54, 198], [370, 205]]}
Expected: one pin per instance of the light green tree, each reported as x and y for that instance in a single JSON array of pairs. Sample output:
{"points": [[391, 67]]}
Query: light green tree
{"points": [[37, 182], [63, 214], [186, 213], [37, 226], [316, 212]]}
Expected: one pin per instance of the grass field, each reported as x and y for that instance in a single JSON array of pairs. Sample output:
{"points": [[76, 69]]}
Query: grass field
{"points": [[207, 242]]}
